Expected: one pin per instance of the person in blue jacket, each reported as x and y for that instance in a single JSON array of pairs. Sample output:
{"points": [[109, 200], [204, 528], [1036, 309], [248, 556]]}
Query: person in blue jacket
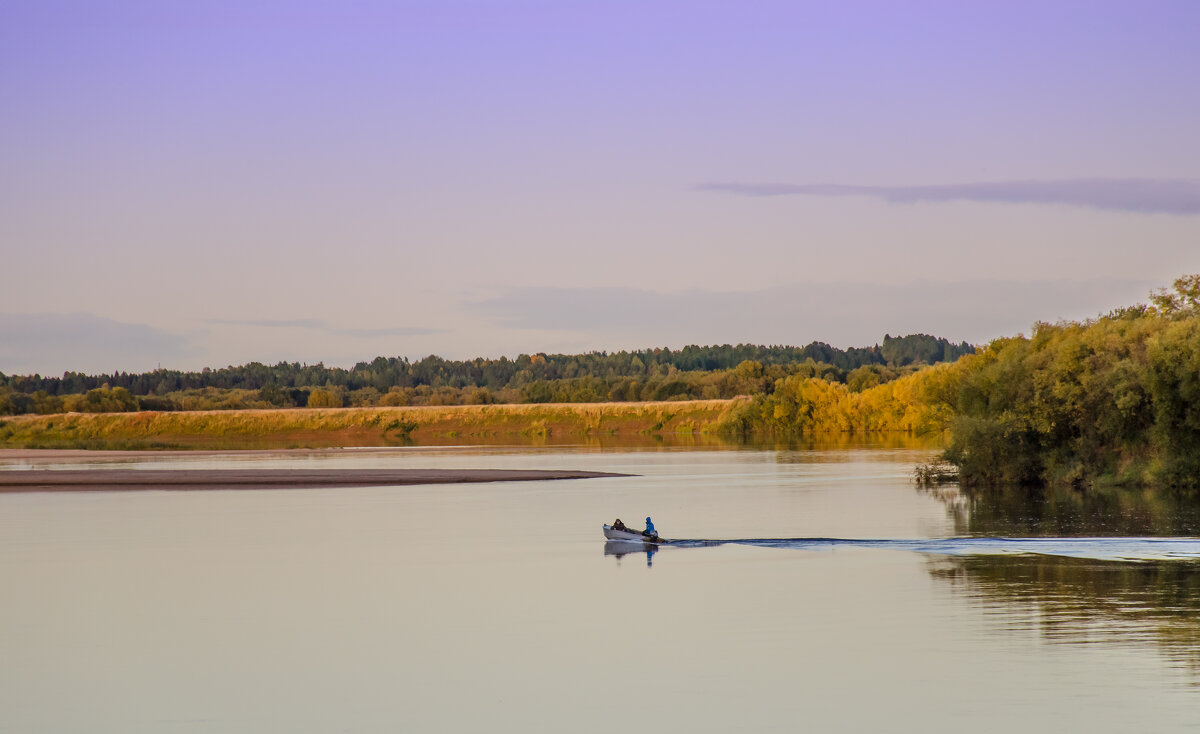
{"points": [[650, 529]]}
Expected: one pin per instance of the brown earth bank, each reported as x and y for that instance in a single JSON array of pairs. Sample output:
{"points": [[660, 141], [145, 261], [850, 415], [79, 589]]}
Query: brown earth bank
{"points": [[177, 479]]}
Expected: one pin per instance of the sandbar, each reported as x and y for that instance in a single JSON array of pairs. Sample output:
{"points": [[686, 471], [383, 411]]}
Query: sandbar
{"points": [[110, 480]]}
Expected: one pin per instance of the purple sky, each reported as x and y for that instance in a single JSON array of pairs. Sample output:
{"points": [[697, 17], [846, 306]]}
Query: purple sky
{"points": [[213, 183]]}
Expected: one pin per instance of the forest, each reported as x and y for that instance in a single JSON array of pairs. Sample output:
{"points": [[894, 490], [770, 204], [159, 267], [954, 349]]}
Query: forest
{"points": [[1114, 400], [690, 373]]}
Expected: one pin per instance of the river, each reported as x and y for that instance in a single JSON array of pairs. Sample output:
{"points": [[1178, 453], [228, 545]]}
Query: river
{"points": [[851, 601]]}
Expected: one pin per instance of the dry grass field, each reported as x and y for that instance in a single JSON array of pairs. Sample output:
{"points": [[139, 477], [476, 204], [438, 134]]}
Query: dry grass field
{"points": [[549, 423]]}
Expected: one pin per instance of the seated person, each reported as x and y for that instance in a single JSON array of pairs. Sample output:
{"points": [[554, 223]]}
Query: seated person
{"points": [[618, 525], [650, 531]]}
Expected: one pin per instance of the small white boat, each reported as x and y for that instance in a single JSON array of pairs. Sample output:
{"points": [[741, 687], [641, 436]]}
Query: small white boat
{"points": [[629, 534]]}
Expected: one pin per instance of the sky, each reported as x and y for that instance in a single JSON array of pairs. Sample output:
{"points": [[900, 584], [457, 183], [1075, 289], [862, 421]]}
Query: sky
{"points": [[201, 184]]}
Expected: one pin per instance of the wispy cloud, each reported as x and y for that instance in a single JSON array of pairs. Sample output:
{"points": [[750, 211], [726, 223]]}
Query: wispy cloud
{"points": [[53, 343], [326, 327], [1143, 195]]}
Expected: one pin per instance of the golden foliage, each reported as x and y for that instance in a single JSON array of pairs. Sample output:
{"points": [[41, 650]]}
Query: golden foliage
{"points": [[428, 425]]}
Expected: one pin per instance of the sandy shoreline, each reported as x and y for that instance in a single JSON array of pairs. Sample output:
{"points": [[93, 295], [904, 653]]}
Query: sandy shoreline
{"points": [[115, 480], [178, 479]]}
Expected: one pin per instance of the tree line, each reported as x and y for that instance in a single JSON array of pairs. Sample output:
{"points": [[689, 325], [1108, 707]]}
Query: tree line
{"points": [[693, 372]]}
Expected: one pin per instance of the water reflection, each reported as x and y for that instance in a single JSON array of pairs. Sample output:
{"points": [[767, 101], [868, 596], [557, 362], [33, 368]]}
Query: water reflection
{"points": [[1067, 512], [682, 440], [1081, 601], [869, 447], [622, 548]]}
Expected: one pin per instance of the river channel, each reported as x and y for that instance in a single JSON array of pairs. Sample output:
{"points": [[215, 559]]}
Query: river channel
{"points": [[849, 600]]}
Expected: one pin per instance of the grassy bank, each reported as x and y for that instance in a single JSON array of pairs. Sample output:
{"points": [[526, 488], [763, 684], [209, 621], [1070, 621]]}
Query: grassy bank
{"points": [[677, 421]]}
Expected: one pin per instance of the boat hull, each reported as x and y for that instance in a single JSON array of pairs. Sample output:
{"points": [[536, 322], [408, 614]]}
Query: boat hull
{"points": [[632, 536]]}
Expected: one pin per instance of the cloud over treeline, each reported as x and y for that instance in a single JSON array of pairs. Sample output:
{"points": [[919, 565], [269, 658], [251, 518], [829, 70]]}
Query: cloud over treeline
{"points": [[1143, 195]]}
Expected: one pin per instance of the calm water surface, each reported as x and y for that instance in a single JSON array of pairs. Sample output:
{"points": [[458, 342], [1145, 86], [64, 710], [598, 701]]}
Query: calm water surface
{"points": [[499, 607]]}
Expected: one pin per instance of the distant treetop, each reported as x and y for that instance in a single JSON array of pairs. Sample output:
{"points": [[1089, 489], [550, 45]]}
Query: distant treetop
{"points": [[384, 373]]}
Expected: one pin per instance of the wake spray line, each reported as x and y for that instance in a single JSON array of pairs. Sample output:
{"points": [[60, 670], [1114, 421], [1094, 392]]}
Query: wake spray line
{"points": [[1101, 549]]}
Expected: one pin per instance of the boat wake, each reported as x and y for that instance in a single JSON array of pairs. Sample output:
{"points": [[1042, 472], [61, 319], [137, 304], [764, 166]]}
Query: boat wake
{"points": [[1101, 549]]}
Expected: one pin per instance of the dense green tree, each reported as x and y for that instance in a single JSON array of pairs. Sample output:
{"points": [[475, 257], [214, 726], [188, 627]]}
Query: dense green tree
{"points": [[326, 398], [1116, 398], [103, 399]]}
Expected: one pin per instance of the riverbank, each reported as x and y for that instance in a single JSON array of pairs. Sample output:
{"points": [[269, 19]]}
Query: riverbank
{"points": [[329, 427]]}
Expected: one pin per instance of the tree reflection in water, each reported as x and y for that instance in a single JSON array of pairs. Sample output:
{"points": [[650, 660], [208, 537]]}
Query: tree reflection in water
{"points": [[1073, 600], [1024, 512]]}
